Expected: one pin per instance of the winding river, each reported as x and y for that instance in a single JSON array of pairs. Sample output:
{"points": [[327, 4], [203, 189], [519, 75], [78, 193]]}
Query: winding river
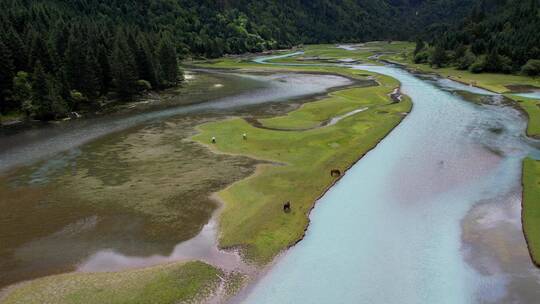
{"points": [[432, 215]]}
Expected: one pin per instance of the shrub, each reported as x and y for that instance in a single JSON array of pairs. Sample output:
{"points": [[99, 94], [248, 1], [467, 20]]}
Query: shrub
{"points": [[478, 66], [465, 61], [421, 57], [143, 85], [531, 68]]}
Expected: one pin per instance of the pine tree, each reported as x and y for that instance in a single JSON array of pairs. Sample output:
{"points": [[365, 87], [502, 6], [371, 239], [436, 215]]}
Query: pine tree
{"points": [[123, 68], [145, 63], [91, 76], [438, 58], [105, 69], [41, 105], [420, 45], [74, 63], [168, 62], [16, 46], [40, 52], [7, 71], [22, 91]]}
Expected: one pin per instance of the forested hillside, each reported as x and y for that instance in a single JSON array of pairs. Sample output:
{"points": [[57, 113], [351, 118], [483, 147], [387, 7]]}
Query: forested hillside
{"points": [[59, 56], [496, 36]]}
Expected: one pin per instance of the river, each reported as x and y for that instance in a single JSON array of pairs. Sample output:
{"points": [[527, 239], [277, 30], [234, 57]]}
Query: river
{"points": [[431, 215]]}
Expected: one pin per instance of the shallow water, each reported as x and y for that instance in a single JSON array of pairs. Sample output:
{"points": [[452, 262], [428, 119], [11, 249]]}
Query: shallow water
{"points": [[123, 190], [533, 95], [412, 221], [35, 144]]}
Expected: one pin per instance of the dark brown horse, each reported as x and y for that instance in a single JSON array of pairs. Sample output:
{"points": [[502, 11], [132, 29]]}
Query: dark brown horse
{"points": [[287, 207], [335, 173]]}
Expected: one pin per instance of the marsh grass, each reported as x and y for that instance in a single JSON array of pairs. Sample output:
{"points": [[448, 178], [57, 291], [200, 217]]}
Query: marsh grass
{"points": [[164, 284], [253, 218]]}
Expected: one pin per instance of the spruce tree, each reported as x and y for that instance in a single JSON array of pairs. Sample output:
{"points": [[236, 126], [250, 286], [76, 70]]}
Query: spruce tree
{"points": [[40, 52], [145, 63], [17, 48], [74, 62], [123, 68], [7, 71], [168, 62], [41, 104], [91, 75]]}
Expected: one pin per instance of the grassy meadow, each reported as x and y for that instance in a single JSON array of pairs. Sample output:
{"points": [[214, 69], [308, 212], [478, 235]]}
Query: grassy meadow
{"points": [[253, 218], [170, 283]]}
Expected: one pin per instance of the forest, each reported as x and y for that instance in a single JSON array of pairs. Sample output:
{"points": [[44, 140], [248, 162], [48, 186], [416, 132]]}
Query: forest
{"points": [[496, 36], [59, 56]]}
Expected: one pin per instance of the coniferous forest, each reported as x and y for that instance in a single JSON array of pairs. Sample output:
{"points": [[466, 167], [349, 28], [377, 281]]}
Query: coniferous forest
{"points": [[498, 36], [59, 56]]}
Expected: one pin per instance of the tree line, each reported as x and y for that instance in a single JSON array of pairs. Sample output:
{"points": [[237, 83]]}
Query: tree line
{"points": [[53, 63], [59, 56], [499, 36]]}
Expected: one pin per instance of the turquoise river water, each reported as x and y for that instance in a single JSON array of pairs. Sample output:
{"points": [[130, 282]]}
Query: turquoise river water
{"points": [[431, 215]]}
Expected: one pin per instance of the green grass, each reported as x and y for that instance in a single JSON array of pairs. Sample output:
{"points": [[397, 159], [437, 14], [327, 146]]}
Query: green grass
{"points": [[253, 218], [337, 104], [491, 81], [531, 181], [531, 206], [11, 117], [532, 107], [165, 284]]}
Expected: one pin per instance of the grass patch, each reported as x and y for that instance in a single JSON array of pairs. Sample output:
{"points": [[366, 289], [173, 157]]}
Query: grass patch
{"points": [[532, 107], [167, 284], [253, 218], [531, 206]]}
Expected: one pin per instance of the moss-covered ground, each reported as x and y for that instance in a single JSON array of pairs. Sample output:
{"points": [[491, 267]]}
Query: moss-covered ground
{"points": [[164, 284]]}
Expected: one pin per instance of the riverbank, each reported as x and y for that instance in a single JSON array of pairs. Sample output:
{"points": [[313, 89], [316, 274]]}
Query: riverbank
{"points": [[253, 218], [169, 283], [507, 85], [299, 149], [146, 155]]}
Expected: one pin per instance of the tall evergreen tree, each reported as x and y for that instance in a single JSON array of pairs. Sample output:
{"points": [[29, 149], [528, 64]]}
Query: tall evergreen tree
{"points": [[7, 71], [40, 52], [41, 106], [168, 62], [91, 75], [74, 62], [123, 68]]}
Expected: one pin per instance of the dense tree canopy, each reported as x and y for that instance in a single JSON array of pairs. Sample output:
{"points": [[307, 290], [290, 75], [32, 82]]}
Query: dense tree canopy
{"points": [[496, 36], [76, 52]]}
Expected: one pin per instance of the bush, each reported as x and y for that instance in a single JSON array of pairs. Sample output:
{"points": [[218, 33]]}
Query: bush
{"points": [[478, 66], [438, 57], [143, 85], [505, 64], [421, 57], [465, 61], [531, 68]]}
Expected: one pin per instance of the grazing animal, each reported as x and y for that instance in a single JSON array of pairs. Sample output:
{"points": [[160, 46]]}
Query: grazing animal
{"points": [[213, 139], [287, 207], [335, 173]]}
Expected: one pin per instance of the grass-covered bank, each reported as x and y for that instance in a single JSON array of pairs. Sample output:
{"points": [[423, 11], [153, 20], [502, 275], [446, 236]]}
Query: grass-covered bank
{"points": [[531, 207], [170, 283], [253, 218], [155, 172], [503, 84], [531, 182]]}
